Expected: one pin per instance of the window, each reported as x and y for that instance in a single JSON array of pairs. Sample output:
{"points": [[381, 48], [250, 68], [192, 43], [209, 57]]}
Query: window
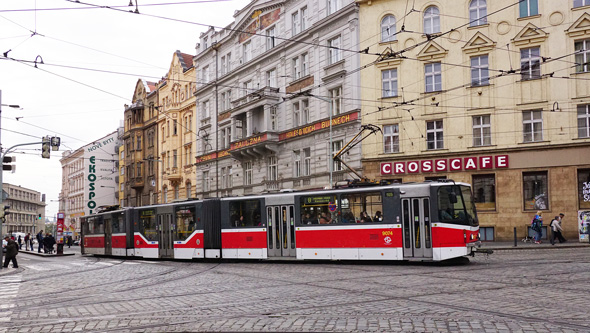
{"points": [[223, 177], [480, 71], [206, 110], [535, 194], [303, 24], [165, 195], [431, 20], [174, 128], [248, 173], [336, 146], [336, 100], [580, 3], [582, 55], [225, 137], [484, 191], [228, 60], [528, 8], [434, 135], [477, 12], [391, 138], [271, 78], [272, 172], [223, 65], [296, 72], [222, 105], [530, 63], [273, 118], [433, 77], [584, 121], [304, 111], [247, 87], [584, 188], [532, 126], [205, 181], [389, 83], [228, 99], [296, 114], [176, 189], [334, 50], [333, 6], [482, 131], [295, 23], [205, 74], [246, 51], [270, 38], [122, 172], [138, 169], [388, 29], [486, 234], [304, 65], [175, 158], [297, 163], [245, 213], [306, 161], [229, 183]]}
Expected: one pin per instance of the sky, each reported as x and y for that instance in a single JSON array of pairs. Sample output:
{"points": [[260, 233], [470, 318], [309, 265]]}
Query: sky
{"points": [[92, 58]]}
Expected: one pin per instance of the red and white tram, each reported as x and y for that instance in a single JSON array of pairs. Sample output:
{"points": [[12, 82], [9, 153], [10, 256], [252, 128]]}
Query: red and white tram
{"points": [[430, 221]]}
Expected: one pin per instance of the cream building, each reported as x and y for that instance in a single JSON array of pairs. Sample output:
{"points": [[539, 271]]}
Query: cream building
{"points": [[176, 134], [26, 212], [494, 93]]}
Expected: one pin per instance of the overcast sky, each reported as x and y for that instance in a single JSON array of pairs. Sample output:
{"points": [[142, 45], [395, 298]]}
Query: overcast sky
{"points": [[92, 60]]}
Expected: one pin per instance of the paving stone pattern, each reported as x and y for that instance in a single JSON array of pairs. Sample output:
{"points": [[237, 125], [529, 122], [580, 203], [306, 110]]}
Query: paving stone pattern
{"points": [[541, 290]]}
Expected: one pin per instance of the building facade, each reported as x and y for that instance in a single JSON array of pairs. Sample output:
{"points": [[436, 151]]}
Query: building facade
{"points": [[176, 134], [26, 212], [88, 179], [138, 167], [268, 87], [493, 93]]}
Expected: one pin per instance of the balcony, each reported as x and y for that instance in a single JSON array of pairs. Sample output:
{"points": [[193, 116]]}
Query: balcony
{"points": [[255, 99], [255, 146], [173, 174], [136, 182], [272, 185]]}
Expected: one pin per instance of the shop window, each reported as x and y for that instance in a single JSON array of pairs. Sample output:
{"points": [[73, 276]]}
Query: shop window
{"points": [[584, 188], [486, 234], [484, 191], [535, 190]]}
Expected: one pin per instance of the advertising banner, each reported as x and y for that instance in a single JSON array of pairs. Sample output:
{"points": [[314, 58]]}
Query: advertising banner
{"points": [[59, 237], [584, 225]]}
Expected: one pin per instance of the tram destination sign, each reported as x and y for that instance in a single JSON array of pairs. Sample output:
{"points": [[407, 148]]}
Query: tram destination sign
{"points": [[445, 164]]}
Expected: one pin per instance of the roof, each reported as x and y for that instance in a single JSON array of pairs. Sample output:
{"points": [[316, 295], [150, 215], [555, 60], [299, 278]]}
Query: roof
{"points": [[186, 60]]}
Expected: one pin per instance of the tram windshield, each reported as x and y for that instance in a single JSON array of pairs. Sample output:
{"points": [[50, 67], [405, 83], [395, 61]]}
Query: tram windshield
{"points": [[94, 225], [456, 205]]}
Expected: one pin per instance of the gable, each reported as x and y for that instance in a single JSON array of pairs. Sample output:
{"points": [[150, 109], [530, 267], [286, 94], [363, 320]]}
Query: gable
{"points": [[432, 51], [479, 43], [530, 34], [581, 27]]}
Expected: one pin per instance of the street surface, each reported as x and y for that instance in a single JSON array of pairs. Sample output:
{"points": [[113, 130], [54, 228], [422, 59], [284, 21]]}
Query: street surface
{"points": [[531, 290]]}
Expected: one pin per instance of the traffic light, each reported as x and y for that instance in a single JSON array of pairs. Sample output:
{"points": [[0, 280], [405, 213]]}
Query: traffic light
{"points": [[8, 167], [39, 217], [4, 211], [46, 147], [55, 142]]}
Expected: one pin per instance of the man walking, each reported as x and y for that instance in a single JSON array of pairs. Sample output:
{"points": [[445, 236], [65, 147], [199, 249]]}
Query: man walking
{"points": [[11, 252], [557, 229], [40, 241]]}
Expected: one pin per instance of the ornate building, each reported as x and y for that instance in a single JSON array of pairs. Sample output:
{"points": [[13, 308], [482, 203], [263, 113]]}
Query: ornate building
{"points": [[26, 212], [267, 87], [493, 93]]}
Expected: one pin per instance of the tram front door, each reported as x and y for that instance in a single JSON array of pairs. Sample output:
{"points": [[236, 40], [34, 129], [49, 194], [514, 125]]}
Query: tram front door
{"points": [[281, 231], [416, 228], [165, 236], [108, 239]]}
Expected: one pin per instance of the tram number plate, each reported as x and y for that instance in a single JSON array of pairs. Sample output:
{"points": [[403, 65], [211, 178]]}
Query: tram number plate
{"points": [[387, 233]]}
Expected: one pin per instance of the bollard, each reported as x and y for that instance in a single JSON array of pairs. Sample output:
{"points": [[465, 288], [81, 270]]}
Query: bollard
{"points": [[515, 242]]}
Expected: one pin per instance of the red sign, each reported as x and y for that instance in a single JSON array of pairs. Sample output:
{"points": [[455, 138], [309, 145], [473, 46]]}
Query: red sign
{"points": [[442, 165], [318, 126], [60, 228]]}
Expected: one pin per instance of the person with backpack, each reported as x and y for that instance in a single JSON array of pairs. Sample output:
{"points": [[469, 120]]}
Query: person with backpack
{"points": [[556, 229], [40, 241], [537, 226], [11, 252]]}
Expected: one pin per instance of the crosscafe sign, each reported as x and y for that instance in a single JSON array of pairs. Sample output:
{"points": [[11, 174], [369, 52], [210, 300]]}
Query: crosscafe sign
{"points": [[443, 165]]}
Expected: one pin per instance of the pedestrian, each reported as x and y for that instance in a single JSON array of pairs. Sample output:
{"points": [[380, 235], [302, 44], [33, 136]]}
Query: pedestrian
{"points": [[20, 243], [31, 241], [537, 226], [557, 229], [27, 241], [48, 241], [40, 241], [11, 252]]}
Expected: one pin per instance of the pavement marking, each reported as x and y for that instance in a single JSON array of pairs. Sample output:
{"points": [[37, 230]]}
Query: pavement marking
{"points": [[9, 286]]}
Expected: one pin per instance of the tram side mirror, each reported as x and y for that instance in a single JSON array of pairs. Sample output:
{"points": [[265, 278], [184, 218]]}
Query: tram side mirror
{"points": [[453, 197]]}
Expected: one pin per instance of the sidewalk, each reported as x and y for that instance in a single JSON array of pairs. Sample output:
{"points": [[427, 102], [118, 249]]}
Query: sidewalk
{"points": [[520, 245]]}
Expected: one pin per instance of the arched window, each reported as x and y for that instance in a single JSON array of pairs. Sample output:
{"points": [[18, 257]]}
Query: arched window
{"points": [[478, 9], [431, 20], [388, 28]]}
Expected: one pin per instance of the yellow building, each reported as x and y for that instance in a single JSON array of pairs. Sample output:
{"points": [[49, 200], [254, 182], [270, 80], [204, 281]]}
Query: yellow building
{"points": [[494, 93], [175, 130]]}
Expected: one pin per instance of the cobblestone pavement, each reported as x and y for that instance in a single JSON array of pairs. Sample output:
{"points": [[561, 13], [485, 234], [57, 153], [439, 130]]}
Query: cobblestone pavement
{"points": [[536, 290]]}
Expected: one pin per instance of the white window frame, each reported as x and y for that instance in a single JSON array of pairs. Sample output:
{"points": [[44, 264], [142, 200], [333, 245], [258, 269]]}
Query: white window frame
{"points": [[273, 118], [336, 146], [296, 69], [333, 6], [295, 23], [307, 161], [270, 38], [206, 113], [431, 20], [273, 168], [334, 54], [296, 111], [435, 135], [336, 100], [271, 78], [228, 59], [248, 173], [222, 69], [480, 75], [303, 19], [304, 65], [305, 111], [584, 121], [478, 11], [530, 63], [297, 163], [388, 32], [206, 182], [582, 58], [433, 72], [391, 139], [389, 82], [581, 3], [532, 126], [247, 51], [482, 130]]}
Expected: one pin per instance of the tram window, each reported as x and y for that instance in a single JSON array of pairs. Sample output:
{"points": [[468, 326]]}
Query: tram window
{"points": [[245, 213], [319, 209], [185, 222], [98, 226], [452, 204], [147, 224], [361, 207], [117, 224]]}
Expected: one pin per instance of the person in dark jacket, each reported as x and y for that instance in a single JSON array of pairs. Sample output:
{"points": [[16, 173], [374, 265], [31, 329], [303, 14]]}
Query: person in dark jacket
{"points": [[40, 241], [11, 252], [48, 241]]}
